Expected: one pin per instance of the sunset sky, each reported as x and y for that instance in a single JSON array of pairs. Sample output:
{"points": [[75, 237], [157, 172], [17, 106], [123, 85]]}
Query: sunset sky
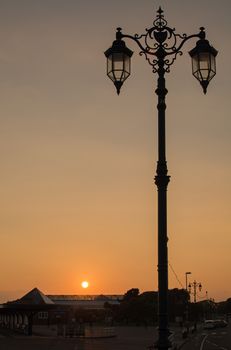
{"points": [[78, 200]]}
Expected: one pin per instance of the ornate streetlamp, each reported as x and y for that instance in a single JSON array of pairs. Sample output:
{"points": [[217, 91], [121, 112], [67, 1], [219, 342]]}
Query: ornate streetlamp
{"points": [[160, 45], [194, 286], [186, 279], [188, 299]]}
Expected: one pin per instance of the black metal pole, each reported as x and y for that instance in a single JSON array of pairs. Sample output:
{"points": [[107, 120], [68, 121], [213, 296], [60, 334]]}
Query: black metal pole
{"points": [[162, 180], [160, 47], [195, 291]]}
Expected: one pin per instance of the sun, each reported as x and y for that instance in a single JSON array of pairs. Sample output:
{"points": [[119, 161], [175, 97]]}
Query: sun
{"points": [[85, 284]]}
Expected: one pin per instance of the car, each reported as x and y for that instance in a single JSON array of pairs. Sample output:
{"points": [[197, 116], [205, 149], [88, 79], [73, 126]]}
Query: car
{"points": [[220, 323], [209, 324]]}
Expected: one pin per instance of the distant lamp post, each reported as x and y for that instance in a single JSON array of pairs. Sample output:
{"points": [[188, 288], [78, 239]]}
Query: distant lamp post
{"points": [[188, 300], [195, 285], [186, 279], [160, 46]]}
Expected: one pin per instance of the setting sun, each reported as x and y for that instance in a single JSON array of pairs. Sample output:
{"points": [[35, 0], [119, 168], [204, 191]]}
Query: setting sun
{"points": [[85, 284]]}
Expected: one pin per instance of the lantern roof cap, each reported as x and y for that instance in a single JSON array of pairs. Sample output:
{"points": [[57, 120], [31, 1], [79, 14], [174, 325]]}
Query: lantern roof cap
{"points": [[118, 46], [203, 46]]}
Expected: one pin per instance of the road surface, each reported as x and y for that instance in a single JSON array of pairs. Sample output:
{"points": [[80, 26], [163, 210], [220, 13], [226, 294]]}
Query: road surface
{"points": [[214, 339]]}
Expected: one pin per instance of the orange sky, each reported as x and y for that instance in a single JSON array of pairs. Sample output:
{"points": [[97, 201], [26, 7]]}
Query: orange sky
{"points": [[78, 200]]}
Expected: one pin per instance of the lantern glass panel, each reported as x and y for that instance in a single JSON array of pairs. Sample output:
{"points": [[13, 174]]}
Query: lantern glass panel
{"points": [[213, 66], [204, 74], [115, 66], [127, 64], [118, 61], [115, 75], [119, 68], [195, 66], [205, 66], [213, 63], [118, 74], [109, 64], [204, 60]]}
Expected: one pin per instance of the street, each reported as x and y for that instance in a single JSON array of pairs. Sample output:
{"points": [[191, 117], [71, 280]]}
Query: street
{"points": [[128, 338], [214, 339]]}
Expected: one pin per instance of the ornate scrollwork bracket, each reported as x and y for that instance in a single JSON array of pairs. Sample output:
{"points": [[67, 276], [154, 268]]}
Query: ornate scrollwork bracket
{"points": [[160, 44]]}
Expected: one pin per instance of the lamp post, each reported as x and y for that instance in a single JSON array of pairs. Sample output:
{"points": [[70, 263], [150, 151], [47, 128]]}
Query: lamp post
{"points": [[188, 299], [195, 285], [186, 279], [160, 45]]}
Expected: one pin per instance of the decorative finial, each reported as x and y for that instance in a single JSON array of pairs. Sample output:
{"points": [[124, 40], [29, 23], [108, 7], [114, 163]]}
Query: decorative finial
{"points": [[160, 13], [118, 33], [202, 33], [160, 22], [118, 85]]}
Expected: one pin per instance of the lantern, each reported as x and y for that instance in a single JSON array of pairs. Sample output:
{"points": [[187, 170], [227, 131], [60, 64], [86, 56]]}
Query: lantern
{"points": [[118, 63], [203, 62]]}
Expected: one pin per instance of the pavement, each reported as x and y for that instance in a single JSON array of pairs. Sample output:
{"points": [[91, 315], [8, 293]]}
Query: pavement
{"points": [[181, 340], [128, 338]]}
